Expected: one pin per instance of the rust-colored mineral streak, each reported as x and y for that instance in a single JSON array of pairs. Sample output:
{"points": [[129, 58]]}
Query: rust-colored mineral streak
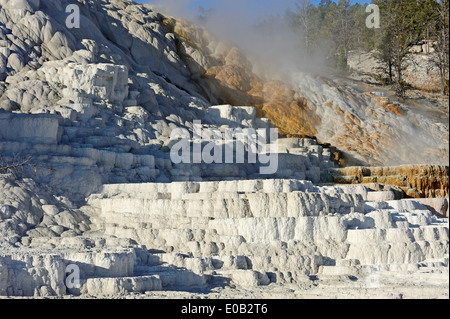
{"points": [[417, 181]]}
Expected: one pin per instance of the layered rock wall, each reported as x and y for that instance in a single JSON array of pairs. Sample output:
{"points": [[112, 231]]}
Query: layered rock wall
{"points": [[98, 105], [417, 181]]}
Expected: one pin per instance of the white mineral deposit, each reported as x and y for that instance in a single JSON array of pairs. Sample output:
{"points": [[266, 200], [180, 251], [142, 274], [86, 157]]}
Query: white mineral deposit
{"points": [[92, 205]]}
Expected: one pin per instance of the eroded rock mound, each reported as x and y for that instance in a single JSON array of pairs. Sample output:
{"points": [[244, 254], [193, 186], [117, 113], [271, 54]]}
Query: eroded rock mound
{"points": [[97, 106]]}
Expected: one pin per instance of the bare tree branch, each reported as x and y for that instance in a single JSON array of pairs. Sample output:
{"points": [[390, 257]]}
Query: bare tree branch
{"points": [[18, 164]]}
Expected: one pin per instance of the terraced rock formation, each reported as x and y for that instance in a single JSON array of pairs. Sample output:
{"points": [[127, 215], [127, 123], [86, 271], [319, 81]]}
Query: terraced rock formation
{"points": [[417, 181], [109, 213]]}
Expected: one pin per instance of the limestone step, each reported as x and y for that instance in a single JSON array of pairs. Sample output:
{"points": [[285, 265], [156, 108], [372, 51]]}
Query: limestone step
{"points": [[416, 218], [99, 286], [64, 160], [173, 278], [380, 196], [294, 161], [212, 209], [286, 229], [14, 147], [294, 204], [67, 154], [87, 241], [369, 273], [307, 264], [201, 264], [255, 185], [179, 174], [429, 233], [198, 243], [283, 229], [391, 218], [152, 223], [99, 263], [430, 240], [298, 150], [325, 247], [404, 205], [78, 131], [339, 270], [181, 178], [291, 173], [247, 278], [397, 252], [435, 263]]}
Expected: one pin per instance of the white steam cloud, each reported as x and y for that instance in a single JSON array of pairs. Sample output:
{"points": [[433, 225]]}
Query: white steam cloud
{"points": [[256, 27]]}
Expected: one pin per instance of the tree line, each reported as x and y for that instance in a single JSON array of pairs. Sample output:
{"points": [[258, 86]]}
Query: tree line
{"points": [[340, 27]]}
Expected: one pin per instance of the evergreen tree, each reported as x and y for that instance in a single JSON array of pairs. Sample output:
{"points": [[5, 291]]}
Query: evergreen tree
{"points": [[341, 26], [426, 19], [336, 27], [398, 31]]}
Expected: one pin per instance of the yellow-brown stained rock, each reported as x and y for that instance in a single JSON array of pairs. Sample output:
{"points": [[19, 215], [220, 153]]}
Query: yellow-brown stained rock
{"points": [[228, 77], [232, 81], [417, 181]]}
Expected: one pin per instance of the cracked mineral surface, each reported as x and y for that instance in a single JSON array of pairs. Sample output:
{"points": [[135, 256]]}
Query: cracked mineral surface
{"points": [[93, 206]]}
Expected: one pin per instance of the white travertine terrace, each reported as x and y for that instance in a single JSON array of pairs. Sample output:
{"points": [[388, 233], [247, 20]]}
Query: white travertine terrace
{"points": [[98, 104]]}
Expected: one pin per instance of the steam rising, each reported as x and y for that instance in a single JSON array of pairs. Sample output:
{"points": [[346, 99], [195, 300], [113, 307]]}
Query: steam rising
{"points": [[269, 41], [265, 38]]}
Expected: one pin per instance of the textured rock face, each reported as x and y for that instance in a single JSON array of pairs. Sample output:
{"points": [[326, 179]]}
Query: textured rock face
{"points": [[32, 275], [100, 81], [439, 206], [256, 233], [27, 209], [416, 181], [314, 231], [35, 129], [79, 73], [98, 105], [420, 72]]}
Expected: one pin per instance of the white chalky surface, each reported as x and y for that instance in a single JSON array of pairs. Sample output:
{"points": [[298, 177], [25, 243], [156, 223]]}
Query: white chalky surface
{"points": [[97, 105]]}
